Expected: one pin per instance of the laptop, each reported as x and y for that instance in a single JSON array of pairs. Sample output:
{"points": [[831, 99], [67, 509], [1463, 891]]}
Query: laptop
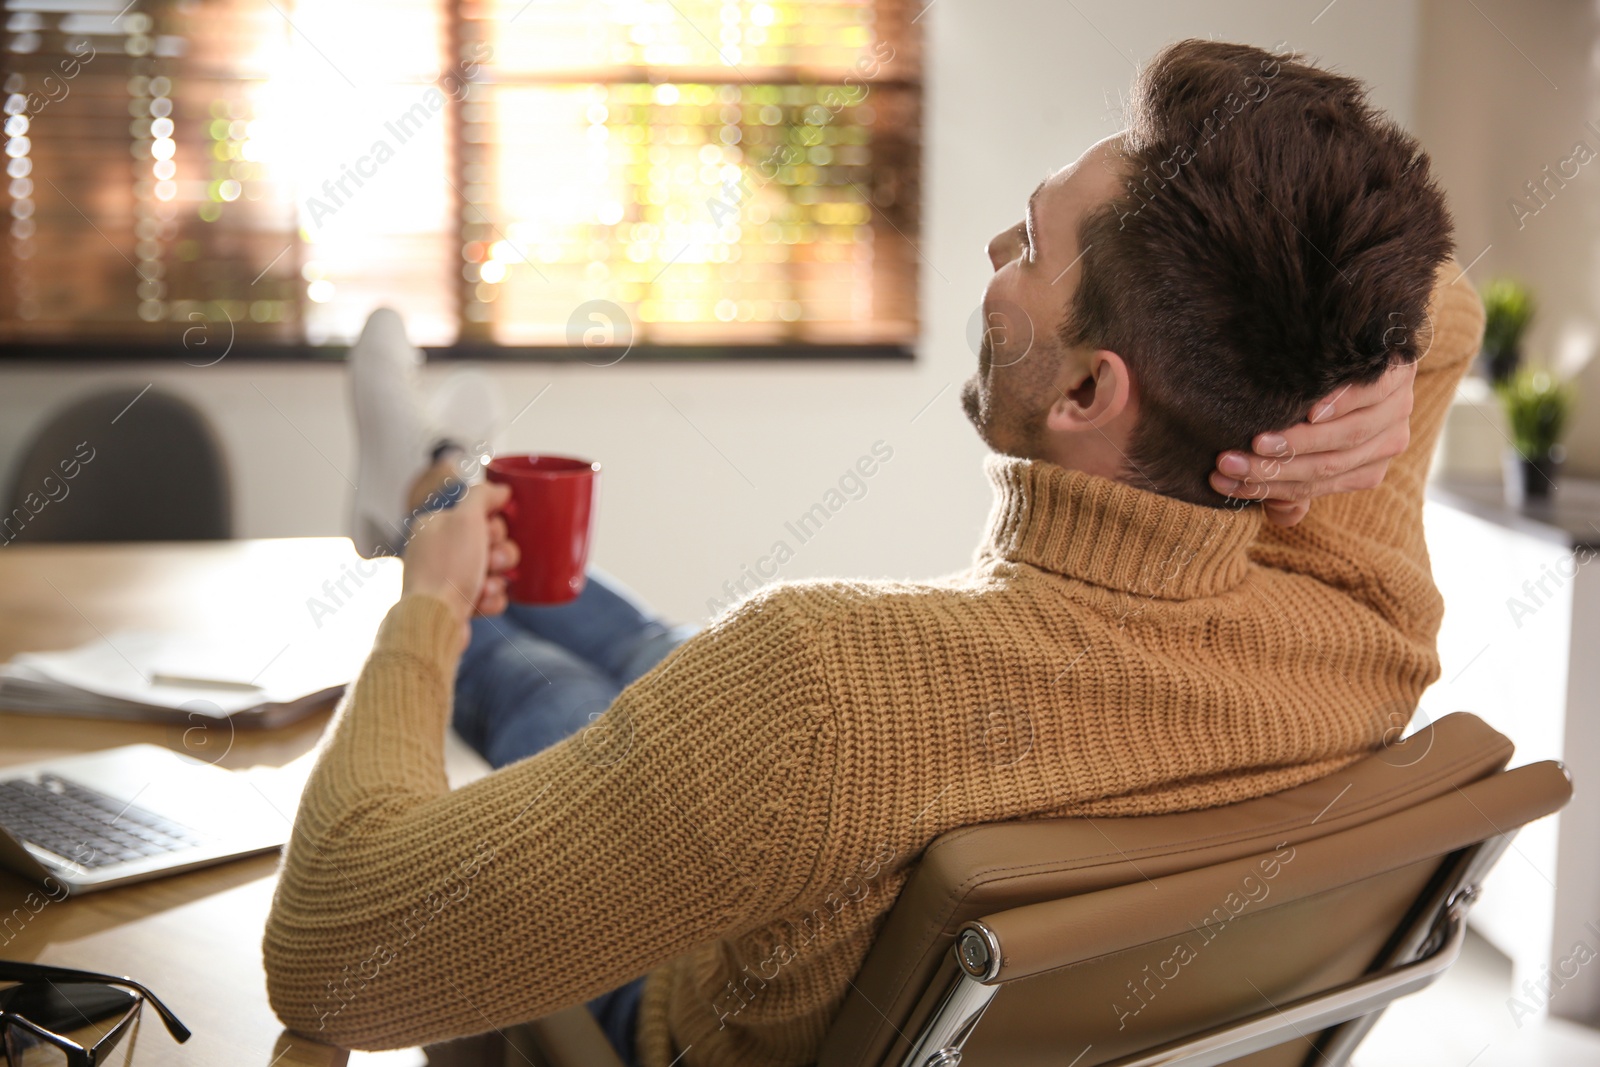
{"points": [[127, 814]]}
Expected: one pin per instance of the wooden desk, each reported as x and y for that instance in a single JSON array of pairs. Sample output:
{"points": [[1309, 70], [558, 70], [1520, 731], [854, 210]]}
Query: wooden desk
{"points": [[195, 939]]}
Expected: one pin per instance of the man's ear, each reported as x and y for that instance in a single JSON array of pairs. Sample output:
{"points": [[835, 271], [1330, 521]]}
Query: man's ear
{"points": [[1099, 394]]}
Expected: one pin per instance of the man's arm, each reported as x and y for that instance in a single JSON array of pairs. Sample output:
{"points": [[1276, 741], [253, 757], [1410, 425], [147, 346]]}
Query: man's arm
{"points": [[406, 913], [1370, 541]]}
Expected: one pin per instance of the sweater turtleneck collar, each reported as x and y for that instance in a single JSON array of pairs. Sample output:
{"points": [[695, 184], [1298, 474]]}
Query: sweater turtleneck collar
{"points": [[1115, 535]]}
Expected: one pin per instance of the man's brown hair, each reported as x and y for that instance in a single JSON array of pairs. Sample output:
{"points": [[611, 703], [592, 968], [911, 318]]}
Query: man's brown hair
{"points": [[1277, 240]]}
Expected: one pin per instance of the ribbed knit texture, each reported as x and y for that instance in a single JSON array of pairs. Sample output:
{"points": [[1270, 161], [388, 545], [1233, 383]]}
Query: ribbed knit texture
{"points": [[740, 820]]}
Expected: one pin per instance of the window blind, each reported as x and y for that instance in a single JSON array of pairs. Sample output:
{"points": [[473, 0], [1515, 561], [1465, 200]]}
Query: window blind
{"points": [[549, 177]]}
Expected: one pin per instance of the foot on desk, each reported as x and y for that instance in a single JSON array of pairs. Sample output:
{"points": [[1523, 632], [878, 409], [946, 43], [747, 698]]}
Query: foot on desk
{"points": [[412, 455], [392, 436]]}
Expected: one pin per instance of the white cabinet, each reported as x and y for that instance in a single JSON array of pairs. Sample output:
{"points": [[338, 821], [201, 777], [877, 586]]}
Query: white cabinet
{"points": [[1520, 648]]}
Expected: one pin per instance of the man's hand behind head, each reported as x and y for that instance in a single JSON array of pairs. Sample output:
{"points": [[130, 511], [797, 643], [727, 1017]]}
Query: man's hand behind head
{"points": [[1345, 444]]}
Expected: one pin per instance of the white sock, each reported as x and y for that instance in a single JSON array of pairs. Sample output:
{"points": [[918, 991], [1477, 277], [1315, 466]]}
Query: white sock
{"points": [[393, 436], [467, 413]]}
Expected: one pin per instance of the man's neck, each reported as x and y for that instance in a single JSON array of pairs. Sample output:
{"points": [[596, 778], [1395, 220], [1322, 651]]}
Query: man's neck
{"points": [[1100, 456]]}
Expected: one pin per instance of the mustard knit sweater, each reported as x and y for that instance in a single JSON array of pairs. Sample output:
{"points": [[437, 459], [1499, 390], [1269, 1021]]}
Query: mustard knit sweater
{"points": [[740, 820]]}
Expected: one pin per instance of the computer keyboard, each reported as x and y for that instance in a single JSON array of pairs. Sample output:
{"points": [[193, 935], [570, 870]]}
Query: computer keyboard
{"points": [[86, 827]]}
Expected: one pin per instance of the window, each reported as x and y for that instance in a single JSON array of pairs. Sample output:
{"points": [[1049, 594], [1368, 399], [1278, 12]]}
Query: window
{"points": [[686, 177]]}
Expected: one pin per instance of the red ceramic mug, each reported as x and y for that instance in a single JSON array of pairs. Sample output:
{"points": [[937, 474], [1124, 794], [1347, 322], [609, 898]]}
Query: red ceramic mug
{"points": [[550, 516]]}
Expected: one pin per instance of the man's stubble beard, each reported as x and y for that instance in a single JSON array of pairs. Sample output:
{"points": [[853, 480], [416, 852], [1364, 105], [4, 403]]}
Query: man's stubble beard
{"points": [[1003, 427], [974, 408], [976, 401]]}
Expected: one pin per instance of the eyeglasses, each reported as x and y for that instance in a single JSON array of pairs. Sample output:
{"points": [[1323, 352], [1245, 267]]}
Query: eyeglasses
{"points": [[47, 999]]}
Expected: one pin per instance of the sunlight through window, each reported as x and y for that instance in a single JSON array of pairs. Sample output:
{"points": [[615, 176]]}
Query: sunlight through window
{"points": [[732, 175]]}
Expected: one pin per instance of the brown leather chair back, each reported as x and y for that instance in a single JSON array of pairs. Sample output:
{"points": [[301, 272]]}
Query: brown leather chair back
{"points": [[1268, 934], [1104, 938]]}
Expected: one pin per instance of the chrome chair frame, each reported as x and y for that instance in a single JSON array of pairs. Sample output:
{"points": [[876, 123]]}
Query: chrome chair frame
{"points": [[1425, 949]]}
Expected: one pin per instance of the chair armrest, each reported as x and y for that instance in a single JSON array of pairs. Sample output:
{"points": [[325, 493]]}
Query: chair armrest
{"points": [[964, 1003]]}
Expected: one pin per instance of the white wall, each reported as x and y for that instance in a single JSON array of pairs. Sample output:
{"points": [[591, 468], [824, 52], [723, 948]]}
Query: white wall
{"points": [[1504, 91], [1015, 88]]}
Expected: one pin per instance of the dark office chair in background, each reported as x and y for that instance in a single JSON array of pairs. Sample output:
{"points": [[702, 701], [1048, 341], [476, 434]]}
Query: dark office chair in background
{"points": [[155, 473], [1270, 933]]}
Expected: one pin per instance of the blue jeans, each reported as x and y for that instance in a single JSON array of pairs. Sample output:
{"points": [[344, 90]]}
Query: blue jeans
{"points": [[536, 675]]}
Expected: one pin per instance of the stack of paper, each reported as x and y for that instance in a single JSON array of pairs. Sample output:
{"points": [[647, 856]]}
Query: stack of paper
{"points": [[159, 676], [273, 641]]}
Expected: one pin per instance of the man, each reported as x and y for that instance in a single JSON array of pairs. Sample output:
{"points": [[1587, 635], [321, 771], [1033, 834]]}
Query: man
{"points": [[1257, 247]]}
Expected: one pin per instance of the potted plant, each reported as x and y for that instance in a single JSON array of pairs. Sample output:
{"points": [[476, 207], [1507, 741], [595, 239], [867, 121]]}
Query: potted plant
{"points": [[1507, 310], [1537, 407]]}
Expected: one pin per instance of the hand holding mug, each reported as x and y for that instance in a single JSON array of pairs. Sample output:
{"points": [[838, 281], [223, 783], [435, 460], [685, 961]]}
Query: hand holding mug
{"points": [[461, 555]]}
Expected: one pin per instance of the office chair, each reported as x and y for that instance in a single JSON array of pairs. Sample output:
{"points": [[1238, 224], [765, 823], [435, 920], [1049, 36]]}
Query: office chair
{"points": [[155, 472], [1270, 933]]}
